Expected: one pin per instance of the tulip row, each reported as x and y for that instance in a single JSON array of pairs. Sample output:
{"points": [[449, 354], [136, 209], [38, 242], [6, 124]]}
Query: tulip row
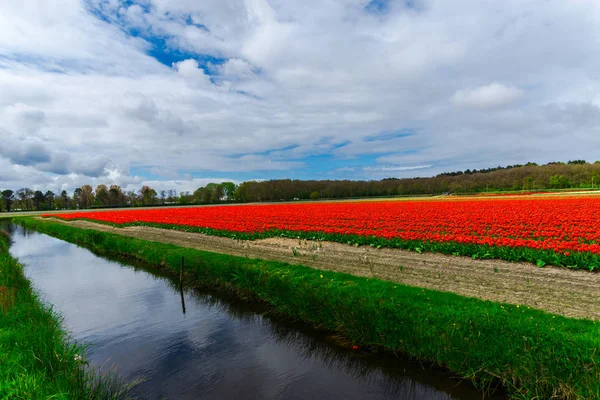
{"points": [[559, 231]]}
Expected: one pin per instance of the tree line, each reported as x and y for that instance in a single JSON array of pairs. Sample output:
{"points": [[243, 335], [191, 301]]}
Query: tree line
{"points": [[103, 196], [527, 177]]}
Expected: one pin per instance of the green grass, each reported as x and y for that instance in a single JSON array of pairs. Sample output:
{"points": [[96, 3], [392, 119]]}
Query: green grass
{"points": [[37, 358], [531, 353], [576, 260]]}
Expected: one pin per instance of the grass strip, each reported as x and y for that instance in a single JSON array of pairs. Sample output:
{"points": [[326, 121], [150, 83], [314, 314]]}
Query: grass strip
{"points": [[533, 354], [37, 358], [574, 259]]}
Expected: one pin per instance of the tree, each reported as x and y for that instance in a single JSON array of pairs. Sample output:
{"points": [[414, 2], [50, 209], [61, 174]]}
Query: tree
{"points": [[559, 181], [186, 198], [200, 195], [172, 196], [216, 193], [77, 198], [8, 196], [132, 198], [115, 195], [49, 196], [29, 198], [86, 196], [229, 189], [24, 195], [148, 195], [39, 201], [101, 195], [163, 196], [208, 196], [65, 199]]}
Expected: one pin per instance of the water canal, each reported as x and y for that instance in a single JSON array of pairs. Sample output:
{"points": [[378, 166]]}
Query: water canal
{"points": [[201, 345]]}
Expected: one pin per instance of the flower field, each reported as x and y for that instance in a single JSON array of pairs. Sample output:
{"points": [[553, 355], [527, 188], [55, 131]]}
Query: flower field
{"points": [[559, 231]]}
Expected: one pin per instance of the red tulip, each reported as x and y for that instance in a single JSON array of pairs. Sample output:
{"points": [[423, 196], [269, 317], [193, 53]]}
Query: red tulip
{"points": [[562, 225]]}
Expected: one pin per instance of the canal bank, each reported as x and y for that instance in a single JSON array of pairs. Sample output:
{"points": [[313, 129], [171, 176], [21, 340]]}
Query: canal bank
{"points": [[38, 358], [208, 344], [532, 353]]}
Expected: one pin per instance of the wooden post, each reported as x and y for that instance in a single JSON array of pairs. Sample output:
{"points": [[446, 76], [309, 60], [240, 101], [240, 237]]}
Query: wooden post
{"points": [[182, 299], [181, 273], [181, 285]]}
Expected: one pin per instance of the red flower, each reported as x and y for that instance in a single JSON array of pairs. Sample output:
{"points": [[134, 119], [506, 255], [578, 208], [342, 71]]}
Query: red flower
{"points": [[562, 225]]}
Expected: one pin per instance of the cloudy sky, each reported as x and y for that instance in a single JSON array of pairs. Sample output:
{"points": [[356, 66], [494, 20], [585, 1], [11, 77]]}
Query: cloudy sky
{"points": [[176, 93]]}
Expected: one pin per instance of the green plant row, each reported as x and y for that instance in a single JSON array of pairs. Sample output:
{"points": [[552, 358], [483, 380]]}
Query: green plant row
{"points": [[541, 258], [532, 354], [37, 358]]}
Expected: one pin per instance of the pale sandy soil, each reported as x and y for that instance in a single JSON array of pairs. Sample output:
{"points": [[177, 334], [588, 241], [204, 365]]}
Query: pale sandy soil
{"points": [[557, 290]]}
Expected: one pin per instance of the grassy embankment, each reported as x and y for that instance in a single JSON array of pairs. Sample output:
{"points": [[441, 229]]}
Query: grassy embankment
{"points": [[533, 354], [37, 358]]}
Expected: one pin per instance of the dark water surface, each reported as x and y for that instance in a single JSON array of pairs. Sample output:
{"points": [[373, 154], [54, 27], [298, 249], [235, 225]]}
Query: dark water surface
{"points": [[221, 348]]}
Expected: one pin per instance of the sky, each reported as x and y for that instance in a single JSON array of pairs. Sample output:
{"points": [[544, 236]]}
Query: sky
{"points": [[178, 93]]}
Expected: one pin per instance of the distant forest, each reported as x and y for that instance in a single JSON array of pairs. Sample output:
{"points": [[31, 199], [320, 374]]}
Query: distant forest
{"points": [[527, 177]]}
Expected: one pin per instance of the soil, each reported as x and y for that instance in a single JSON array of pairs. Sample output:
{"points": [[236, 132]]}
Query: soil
{"points": [[572, 293]]}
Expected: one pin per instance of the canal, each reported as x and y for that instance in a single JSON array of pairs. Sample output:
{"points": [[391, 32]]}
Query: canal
{"points": [[201, 345]]}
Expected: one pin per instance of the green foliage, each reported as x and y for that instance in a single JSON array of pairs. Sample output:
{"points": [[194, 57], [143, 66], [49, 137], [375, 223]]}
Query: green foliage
{"points": [[532, 353], [8, 198], [229, 189], [559, 182], [37, 359]]}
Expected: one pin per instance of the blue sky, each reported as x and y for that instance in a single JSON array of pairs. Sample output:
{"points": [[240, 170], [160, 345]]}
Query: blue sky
{"points": [[178, 93]]}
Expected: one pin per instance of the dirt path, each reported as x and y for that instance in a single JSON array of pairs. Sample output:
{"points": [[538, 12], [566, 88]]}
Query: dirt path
{"points": [[560, 291]]}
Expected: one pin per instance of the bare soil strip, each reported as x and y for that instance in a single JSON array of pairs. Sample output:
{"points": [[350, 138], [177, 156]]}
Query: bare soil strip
{"points": [[572, 293]]}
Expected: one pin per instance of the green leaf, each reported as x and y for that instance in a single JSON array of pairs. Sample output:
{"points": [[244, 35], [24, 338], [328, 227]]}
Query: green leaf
{"points": [[419, 250], [540, 263]]}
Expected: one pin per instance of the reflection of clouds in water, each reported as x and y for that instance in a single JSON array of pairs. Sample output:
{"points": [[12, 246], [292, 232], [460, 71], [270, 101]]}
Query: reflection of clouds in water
{"points": [[220, 349], [218, 369], [97, 296]]}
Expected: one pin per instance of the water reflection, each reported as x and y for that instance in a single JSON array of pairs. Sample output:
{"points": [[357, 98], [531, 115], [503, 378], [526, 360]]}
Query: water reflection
{"points": [[188, 344]]}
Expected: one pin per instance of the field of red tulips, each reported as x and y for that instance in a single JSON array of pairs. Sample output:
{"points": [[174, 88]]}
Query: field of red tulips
{"points": [[559, 231]]}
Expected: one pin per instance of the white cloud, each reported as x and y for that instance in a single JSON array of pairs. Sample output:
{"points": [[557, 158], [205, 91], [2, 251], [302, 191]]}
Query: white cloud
{"points": [[236, 68], [83, 101], [395, 168], [492, 95], [190, 70]]}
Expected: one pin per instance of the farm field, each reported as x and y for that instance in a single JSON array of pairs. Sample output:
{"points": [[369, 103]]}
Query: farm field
{"points": [[560, 231], [530, 353]]}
